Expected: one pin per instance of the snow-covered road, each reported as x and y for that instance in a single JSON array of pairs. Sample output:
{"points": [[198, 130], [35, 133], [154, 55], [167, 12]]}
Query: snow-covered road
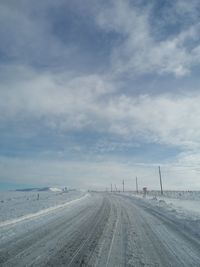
{"points": [[101, 230]]}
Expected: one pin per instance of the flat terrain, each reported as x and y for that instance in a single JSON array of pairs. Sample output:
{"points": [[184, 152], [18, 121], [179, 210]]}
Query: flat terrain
{"points": [[101, 230]]}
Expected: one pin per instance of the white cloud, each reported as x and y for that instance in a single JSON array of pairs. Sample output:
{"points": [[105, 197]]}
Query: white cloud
{"points": [[140, 52], [187, 8], [163, 119], [64, 101], [28, 37], [91, 102], [67, 100]]}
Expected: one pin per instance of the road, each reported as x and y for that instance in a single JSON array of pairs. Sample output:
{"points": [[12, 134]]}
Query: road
{"points": [[102, 230]]}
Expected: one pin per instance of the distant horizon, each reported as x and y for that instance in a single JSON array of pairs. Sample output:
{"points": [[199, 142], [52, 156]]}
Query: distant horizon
{"points": [[9, 187]]}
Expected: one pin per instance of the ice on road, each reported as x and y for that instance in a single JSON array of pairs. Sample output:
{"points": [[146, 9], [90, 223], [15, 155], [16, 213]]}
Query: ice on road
{"points": [[102, 230]]}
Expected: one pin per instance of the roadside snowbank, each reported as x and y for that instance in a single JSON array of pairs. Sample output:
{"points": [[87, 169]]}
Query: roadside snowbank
{"points": [[15, 205], [182, 204], [41, 212]]}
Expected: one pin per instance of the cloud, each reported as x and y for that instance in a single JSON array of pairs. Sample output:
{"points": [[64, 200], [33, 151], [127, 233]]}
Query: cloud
{"points": [[25, 37], [161, 119], [65, 99], [92, 103], [140, 51], [183, 7], [63, 77], [42, 36], [35, 35]]}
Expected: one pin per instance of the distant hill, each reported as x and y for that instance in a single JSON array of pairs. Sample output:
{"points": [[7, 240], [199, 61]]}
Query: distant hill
{"points": [[52, 189]]}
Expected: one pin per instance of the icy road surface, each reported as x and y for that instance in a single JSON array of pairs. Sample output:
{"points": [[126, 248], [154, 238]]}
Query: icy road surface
{"points": [[102, 230]]}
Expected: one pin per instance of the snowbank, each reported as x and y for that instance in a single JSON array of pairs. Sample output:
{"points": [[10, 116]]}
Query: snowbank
{"points": [[41, 212], [15, 204], [184, 204]]}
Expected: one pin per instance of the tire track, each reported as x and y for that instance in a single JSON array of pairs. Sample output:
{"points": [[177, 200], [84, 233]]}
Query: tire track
{"points": [[80, 248]]}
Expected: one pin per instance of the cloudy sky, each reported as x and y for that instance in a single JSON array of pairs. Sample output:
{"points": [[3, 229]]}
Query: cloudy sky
{"points": [[93, 92]]}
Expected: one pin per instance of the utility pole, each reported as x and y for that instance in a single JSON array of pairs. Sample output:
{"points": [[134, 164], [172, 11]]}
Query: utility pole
{"points": [[111, 188], [115, 188], [123, 185], [136, 181], [161, 189]]}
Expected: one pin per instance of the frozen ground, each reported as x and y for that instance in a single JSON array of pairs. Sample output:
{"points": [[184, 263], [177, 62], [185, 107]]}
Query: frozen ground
{"points": [[104, 229], [185, 204], [182, 195], [15, 204], [190, 208]]}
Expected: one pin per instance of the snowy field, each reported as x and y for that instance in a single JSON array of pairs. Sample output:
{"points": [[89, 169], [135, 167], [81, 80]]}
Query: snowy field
{"points": [[15, 204], [184, 205], [182, 202], [183, 195]]}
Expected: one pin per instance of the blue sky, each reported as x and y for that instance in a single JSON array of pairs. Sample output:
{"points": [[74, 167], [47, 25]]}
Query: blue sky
{"points": [[92, 93]]}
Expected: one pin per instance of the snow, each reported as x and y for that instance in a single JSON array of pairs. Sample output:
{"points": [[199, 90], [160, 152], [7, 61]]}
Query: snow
{"points": [[190, 206], [184, 204], [41, 212], [21, 205], [182, 195], [103, 229], [16, 206], [54, 189]]}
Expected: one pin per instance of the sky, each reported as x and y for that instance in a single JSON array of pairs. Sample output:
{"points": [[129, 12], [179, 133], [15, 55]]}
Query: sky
{"points": [[94, 92]]}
